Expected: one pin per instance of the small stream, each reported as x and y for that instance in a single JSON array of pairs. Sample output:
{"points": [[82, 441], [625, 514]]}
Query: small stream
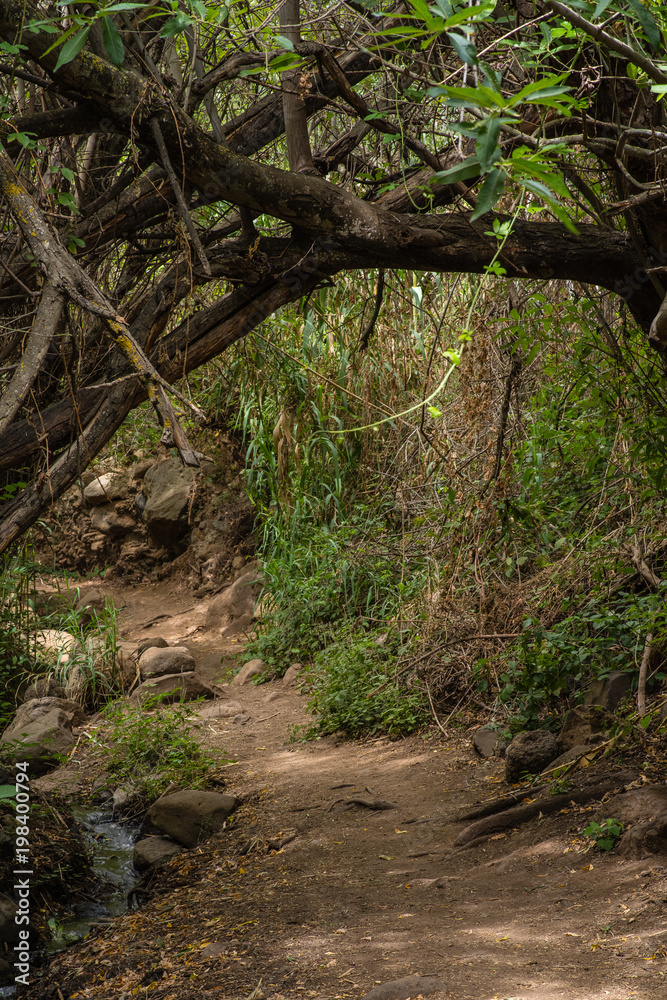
{"points": [[113, 844]]}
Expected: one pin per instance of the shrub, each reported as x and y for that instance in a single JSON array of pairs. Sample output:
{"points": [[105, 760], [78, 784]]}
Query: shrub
{"points": [[151, 751], [345, 674]]}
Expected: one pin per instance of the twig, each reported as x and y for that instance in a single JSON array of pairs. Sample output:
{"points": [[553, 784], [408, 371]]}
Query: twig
{"points": [[437, 649], [178, 194], [643, 670], [642, 567]]}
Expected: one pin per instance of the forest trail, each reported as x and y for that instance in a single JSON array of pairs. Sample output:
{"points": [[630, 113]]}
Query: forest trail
{"points": [[312, 893]]}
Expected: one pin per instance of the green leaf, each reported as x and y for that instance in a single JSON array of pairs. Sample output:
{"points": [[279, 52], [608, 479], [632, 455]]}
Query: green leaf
{"points": [[647, 21], [465, 49], [113, 43], [284, 43], [7, 791], [486, 148], [489, 193], [601, 8], [463, 171], [176, 25], [72, 47]]}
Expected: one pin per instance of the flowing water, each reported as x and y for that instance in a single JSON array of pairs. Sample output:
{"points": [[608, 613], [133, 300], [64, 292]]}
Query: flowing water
{"points": [[113, 844]]}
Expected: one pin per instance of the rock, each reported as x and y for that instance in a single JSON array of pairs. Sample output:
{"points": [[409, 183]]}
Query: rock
{"points": [[405, 989], [488, 742], [645, 839], [172, 687], [108, 521], [273, 696], [168, 487], [529, 753], [154, 851], [191, 816], [139, 469], [235, 603], [157, 642], [158, 661], [124, 797], [126, 662], [253, 668], [582, 725], [570, 755], [220, 710], [636, 805], [44, 687], [238, 562], [56, 647], [241, 719], [9, 931], [291, 675], [94, 601], [41, 732], [608, 692], [104, 489]]}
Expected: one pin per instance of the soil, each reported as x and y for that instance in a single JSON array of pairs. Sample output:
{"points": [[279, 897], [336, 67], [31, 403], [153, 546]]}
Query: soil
{"points": [[310, 893]]}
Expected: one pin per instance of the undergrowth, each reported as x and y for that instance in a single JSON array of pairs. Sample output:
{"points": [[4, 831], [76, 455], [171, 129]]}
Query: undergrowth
{"points": [[149, 751]]}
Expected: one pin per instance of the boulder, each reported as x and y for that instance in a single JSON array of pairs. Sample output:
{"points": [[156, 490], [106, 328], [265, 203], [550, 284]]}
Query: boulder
{"points": [[636, 805], [139, 469], [44, 687], [582, 725], [608, 692], [488, 742], [154, 851], [529, 753], [172, 687], [157, 661], [168, 487], [155, 641], [108, 521], [93, 601], [236, 603], [191, 816], [252, 669], [41, 732], [104, 489], [645, 839], [9, 931], [57, 647], [291, 675]]}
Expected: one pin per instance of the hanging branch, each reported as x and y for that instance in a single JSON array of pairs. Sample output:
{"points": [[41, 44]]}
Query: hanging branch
{"points": [[379, 293], [68, 277], [515, 368], [47, 319], [178, 194]]}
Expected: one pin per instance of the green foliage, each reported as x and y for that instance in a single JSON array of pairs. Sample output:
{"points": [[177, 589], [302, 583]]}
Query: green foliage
{"points": [[344, 679], [321, 578], [604, 834], [150, 750], [17, 650]]}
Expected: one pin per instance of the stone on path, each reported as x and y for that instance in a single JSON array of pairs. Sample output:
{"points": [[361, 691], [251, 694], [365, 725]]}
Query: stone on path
{"points": [[291, 675], [234, 609], [220, 710], [253, 668], [157, 661], [406, 989], [153, 851], [172, 687], [529, 753], [191, 816], [488, 743]]}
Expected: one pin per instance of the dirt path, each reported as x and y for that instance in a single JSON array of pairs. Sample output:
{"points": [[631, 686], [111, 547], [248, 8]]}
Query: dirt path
{"points": [[308, 895]]}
